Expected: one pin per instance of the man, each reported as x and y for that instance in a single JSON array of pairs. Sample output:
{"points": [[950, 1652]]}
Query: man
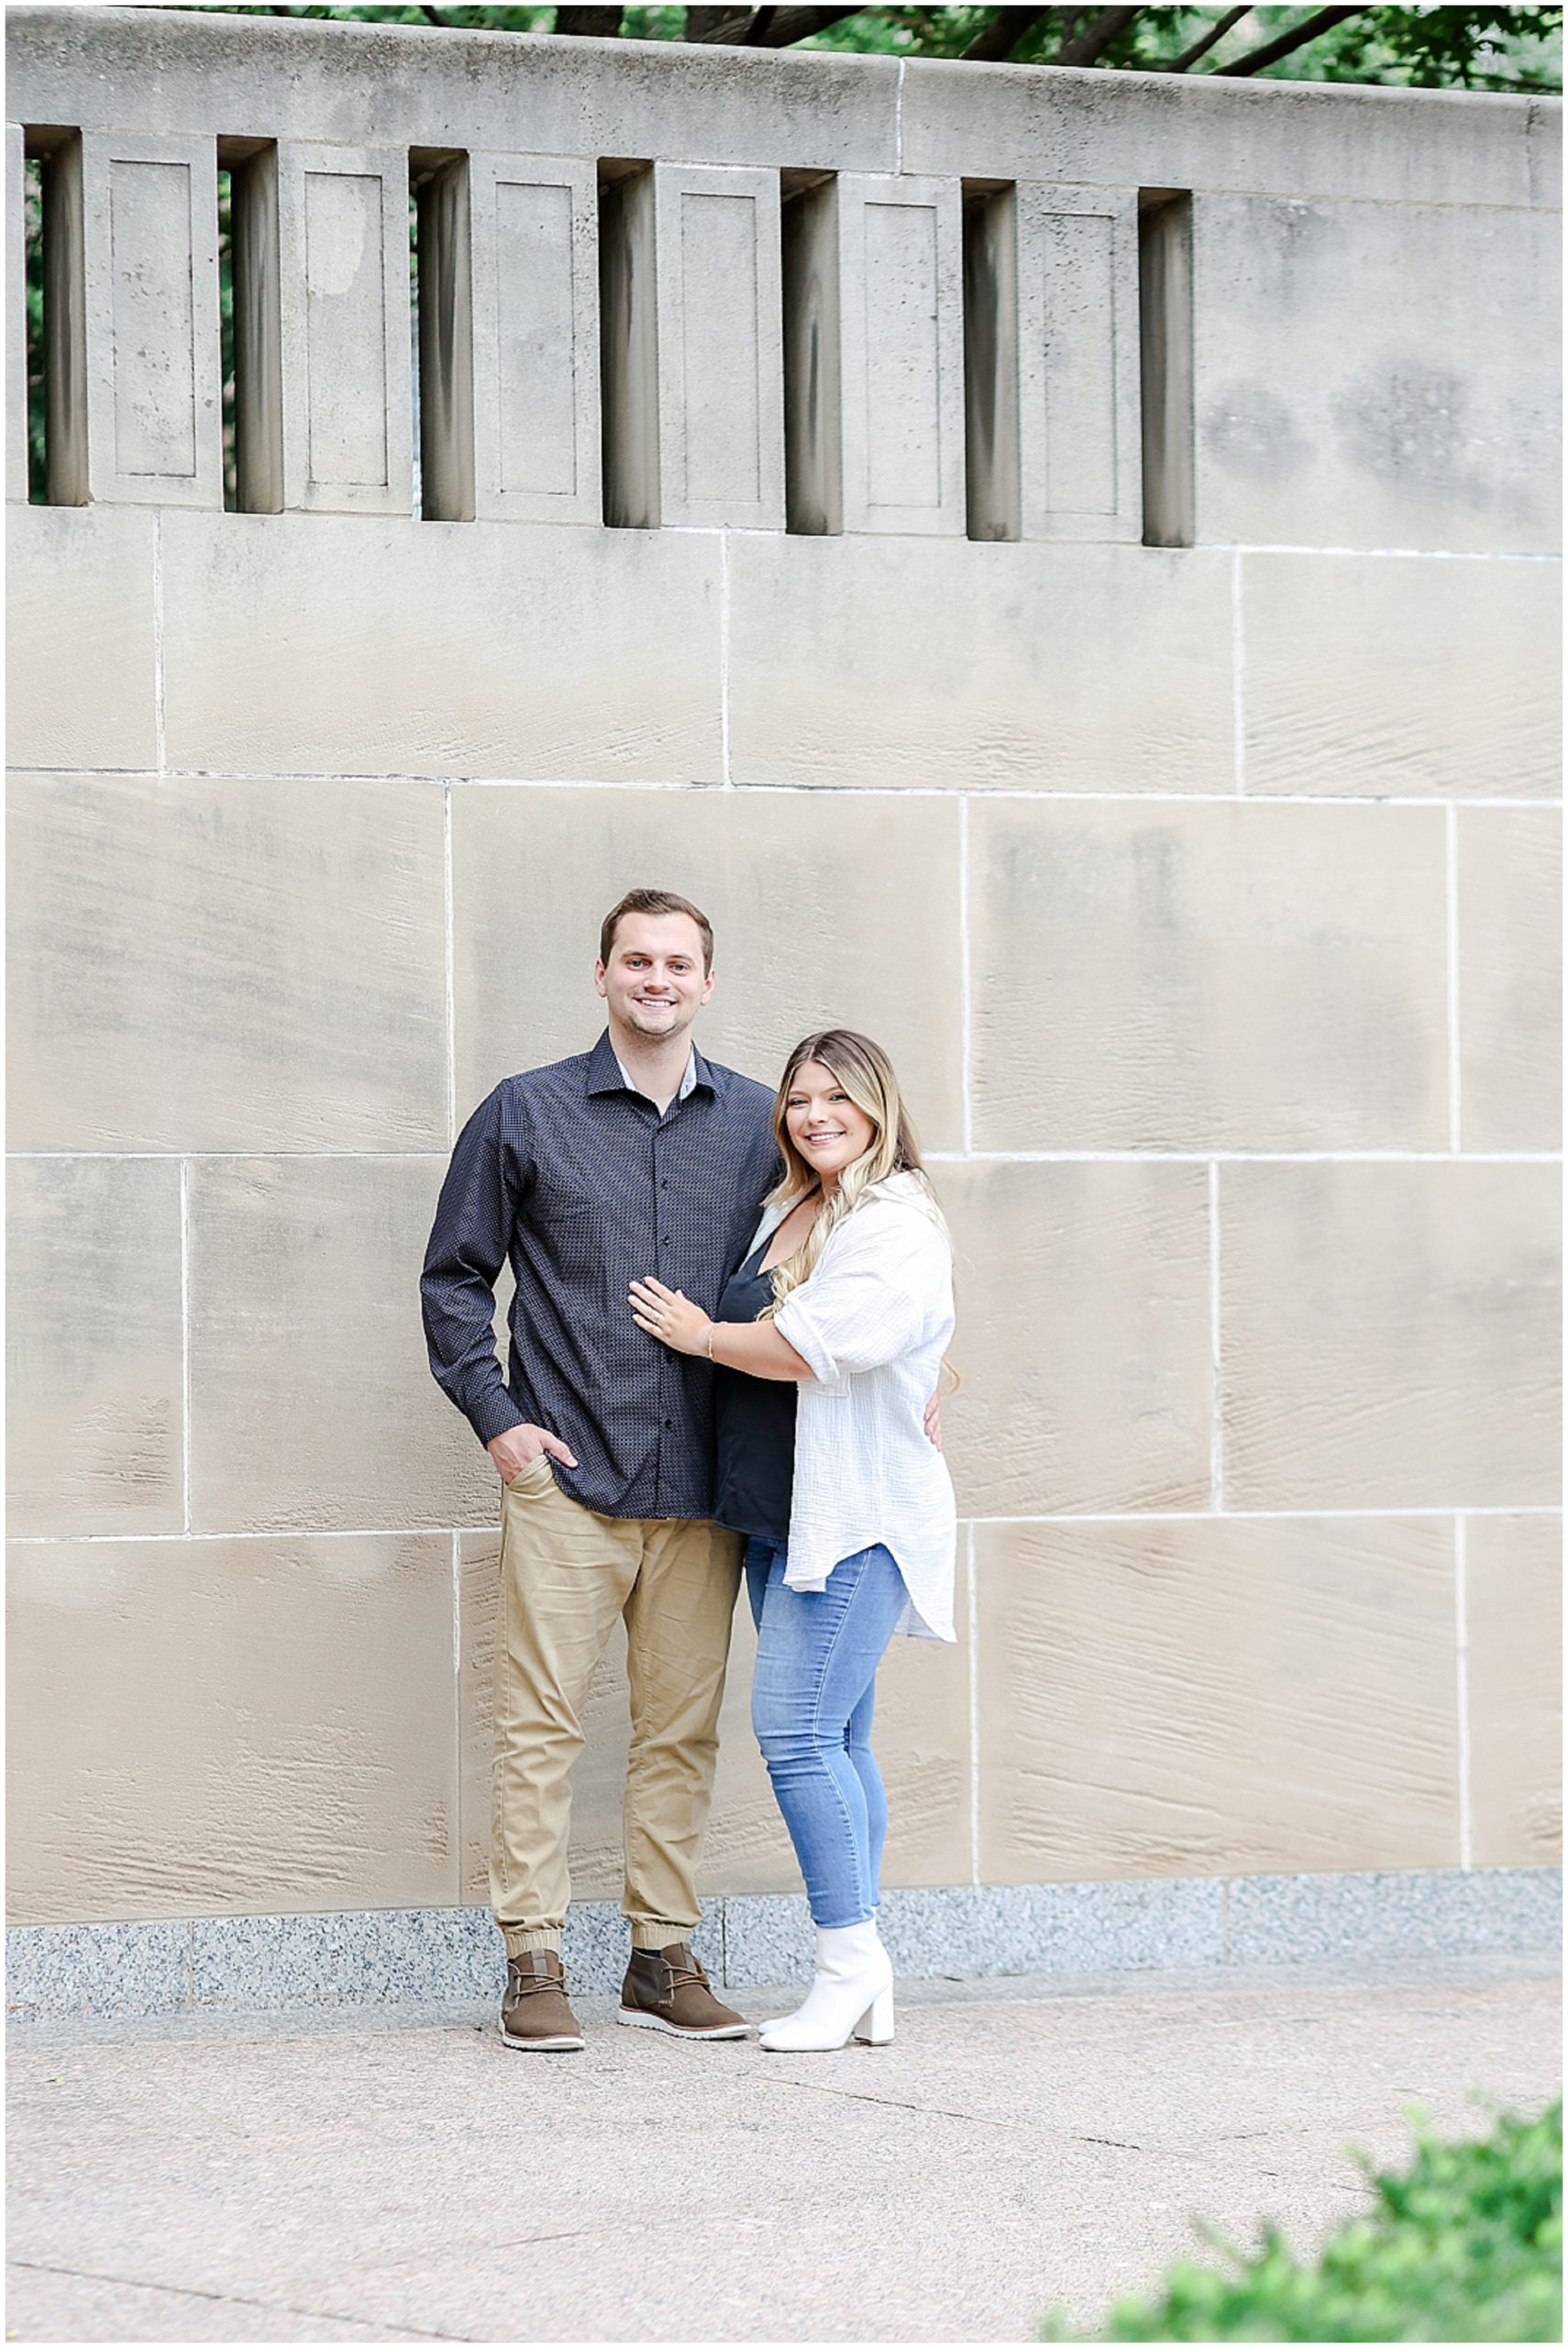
{"points": [[639, 1156]]}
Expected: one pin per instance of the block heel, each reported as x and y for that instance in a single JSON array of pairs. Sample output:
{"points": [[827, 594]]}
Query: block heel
{"points": [[875, 2027]]}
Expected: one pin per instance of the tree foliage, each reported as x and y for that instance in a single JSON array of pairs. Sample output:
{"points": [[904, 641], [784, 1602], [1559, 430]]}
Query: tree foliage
{"points": [[1465, 2244], [1424, 48]]}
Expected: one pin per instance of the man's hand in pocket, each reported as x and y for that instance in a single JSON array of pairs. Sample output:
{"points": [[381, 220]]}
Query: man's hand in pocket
{"points": [[520, 1447]]}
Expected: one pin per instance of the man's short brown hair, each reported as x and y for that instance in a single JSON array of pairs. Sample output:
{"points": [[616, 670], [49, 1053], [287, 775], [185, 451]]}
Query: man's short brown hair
{"points": [[653, 901]]}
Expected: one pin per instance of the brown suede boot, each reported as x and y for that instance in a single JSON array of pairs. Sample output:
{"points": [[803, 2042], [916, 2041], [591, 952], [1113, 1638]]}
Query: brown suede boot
{"points": [[666, 1988], [534, 2012]]}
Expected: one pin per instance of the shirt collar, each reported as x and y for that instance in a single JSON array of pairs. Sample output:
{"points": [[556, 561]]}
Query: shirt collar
{"points": [[605, 1073], [687, 1086]]}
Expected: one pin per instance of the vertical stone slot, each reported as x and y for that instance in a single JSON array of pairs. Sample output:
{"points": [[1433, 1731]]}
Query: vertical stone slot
{"points": [[58, 322], [256, 313], [32, 322], [415, 404], [992, 471], [628, 346], [444, 351], [1165, 338], [814, 369], [225, 334]]}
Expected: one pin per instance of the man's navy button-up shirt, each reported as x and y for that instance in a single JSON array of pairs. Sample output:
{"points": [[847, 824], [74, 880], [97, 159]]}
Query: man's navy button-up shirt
{"points": [[583, 1186]]}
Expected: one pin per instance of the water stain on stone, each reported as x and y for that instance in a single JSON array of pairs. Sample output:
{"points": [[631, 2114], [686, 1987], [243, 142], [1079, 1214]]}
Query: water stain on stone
{"points": [[1155, 880], [1408, 423], [1248, 429]]}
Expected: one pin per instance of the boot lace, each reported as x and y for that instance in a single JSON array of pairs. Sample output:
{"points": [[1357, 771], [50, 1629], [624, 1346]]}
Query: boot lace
{"points": [[531, 1985], [686, 1972]]}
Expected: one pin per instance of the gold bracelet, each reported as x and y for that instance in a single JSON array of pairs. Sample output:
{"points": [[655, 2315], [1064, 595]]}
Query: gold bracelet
{"points": [[711, 1326]]}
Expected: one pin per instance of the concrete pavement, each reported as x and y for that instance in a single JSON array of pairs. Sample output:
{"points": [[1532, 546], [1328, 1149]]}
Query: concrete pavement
{"points": [[1022, 2143]]}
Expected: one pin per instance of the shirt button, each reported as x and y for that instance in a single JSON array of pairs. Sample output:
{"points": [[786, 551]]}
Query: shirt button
{"points": [[669, 1423]]}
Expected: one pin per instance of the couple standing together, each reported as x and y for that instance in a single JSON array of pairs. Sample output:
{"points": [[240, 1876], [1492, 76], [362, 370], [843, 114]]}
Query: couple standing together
{"points": [[729, 1317]]}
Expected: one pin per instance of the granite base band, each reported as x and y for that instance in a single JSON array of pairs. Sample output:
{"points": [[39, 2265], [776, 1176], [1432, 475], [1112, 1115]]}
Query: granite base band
{"points": [[382, 1957]]}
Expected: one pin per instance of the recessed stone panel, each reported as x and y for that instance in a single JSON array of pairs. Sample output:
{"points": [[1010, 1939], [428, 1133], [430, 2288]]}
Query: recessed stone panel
{"points": [[207, 966], [79, 657], [93, 1351], [344, 278], [901, 324], [1389, 1336], [1385, 677], [1510, 978], [1205, 1698], [154, 388], [1083, 1336], [1203, 977], [720, 385], [535, 325], [817, 908], [224, 1727], [1077, 362], [319, 644], [312, 1400], [870, 662], [920, 1739], [1375, 375], [1513, 1576]]}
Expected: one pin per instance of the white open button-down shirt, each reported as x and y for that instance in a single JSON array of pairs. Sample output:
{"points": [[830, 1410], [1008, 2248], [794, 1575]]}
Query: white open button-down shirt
{"points": [[873, 1321]]}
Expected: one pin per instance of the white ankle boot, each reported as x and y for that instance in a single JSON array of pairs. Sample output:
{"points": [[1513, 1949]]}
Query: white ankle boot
{"points": [[852, 1995]]}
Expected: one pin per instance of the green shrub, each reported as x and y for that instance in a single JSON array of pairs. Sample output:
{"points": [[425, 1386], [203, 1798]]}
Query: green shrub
{"points": [[1467, 2244]]}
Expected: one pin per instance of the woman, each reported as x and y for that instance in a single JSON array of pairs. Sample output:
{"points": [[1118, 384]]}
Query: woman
{"points": [[845, 1302]]}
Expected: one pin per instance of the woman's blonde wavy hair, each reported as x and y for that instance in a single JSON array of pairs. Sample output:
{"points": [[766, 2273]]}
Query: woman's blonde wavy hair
{"points": [[863, 1069]]}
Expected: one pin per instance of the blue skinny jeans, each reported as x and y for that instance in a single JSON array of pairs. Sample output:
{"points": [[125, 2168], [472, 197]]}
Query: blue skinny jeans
{"points": [[811, 1703]]}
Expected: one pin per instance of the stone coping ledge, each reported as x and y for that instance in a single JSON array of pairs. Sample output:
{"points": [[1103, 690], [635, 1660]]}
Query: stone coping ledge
{"points": [[378, 1960], [146, 68]]}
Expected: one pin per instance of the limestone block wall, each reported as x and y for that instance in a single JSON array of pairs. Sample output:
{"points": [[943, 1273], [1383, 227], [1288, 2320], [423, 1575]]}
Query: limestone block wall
{"points": [[1205, 893]]}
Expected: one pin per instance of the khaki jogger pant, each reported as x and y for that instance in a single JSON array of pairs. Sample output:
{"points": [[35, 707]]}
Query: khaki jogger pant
{"points": [[565, 1574]]}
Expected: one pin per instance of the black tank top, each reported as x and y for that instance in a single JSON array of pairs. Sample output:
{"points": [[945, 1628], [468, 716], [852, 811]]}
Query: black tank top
{"points": [[755, 1423]]}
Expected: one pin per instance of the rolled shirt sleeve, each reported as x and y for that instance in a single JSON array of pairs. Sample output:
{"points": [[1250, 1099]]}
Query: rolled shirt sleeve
{"points": [[884, 1274]]}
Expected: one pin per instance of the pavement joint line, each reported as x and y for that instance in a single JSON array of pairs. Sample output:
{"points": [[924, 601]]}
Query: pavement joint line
{"points": [[615, 2223], [988, 2119], [1024, 2128], [922, 2110], [226, 2299]]}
